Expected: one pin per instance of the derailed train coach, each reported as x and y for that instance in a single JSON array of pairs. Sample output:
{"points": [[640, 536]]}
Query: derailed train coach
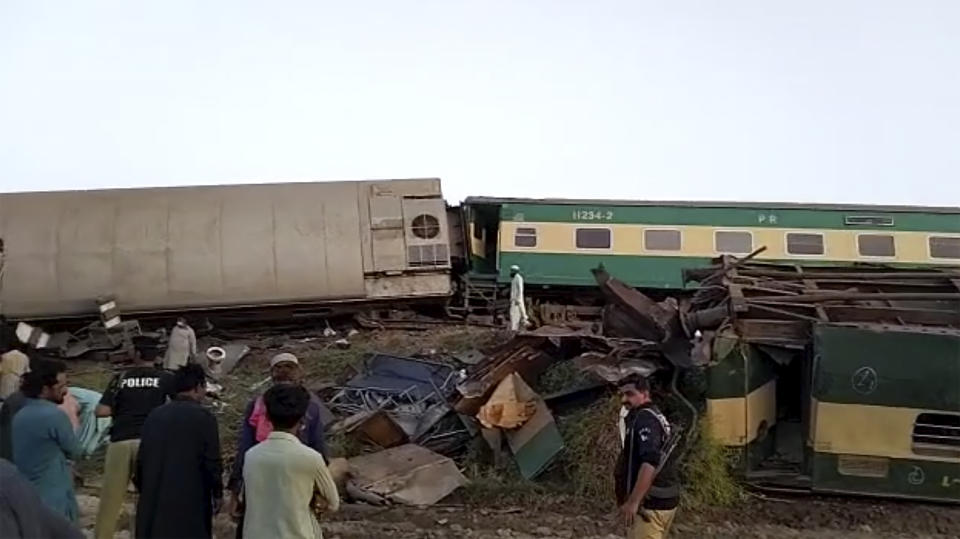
{"points": [[648, 244], [201, 247], [864, 409]]}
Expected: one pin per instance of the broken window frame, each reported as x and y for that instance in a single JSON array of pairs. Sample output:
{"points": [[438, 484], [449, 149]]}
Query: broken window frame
{"points": [[646, 241], [893, 245], [716, 242], [525, 232], [786, 243], [576, 238], [931, 250]]}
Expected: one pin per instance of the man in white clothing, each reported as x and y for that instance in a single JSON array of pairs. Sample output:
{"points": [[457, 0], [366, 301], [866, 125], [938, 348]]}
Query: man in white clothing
{"points": [[182, 347], [285, 483], [518, 309]]}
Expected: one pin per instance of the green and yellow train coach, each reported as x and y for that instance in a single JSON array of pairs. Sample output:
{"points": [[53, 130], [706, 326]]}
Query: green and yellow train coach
{"points": [[866, 409], [648, 244]]}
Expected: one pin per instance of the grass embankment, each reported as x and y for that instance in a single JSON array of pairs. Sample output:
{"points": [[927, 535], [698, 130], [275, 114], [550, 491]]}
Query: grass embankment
{"points": [[584, 471], [582, 475]]}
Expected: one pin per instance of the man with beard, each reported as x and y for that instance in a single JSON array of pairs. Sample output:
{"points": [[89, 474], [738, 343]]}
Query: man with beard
{"points": [[44, 440], [179, 465]]}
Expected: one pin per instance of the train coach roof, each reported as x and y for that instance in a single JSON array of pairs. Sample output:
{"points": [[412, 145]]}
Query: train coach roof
{"points": [[214, 186], [479, 200]]}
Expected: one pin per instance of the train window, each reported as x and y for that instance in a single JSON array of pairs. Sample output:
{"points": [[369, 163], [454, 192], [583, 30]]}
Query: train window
{"points": [[425, 226], [593, 238], [525, 237], [875, 245], [937, 434], [728, 241], [944, 247], [804, 244], [662, 240]]}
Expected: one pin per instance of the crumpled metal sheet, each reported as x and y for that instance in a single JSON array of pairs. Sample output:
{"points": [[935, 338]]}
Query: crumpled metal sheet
{"points": [[408, 474], [523, 355], [537, 442], [510, 405], [610, 369], [418, 378], [633, 313]]}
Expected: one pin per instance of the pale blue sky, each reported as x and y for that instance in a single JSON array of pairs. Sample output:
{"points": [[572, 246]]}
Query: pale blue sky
{"points": [[819, 100]]}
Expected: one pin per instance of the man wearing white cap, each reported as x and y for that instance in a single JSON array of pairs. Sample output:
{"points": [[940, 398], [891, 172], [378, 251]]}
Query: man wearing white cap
{"points": [[256, 426], [518, 309]]}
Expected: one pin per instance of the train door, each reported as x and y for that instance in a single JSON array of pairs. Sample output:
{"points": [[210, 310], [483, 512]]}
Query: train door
{"points": [[484, 224]]}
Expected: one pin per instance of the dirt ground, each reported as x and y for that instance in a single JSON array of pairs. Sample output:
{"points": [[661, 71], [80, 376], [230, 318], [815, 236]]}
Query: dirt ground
{"points": [[802, 518], [503, 516]]}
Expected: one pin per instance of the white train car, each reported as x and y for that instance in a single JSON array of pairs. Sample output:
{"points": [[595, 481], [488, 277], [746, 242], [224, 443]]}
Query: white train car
{"points": [[202, 247]]}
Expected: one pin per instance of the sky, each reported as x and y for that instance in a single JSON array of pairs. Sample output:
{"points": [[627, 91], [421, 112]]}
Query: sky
{"points": [[854, 101]]}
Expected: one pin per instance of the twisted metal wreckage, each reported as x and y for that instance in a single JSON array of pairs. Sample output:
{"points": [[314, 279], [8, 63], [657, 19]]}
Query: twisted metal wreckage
{"points": [[775, 342]]}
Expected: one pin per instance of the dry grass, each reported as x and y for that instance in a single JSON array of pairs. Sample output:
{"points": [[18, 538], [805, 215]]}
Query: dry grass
{"points": [[707, 477], [583, 475], [559, 376], [593, 445]]}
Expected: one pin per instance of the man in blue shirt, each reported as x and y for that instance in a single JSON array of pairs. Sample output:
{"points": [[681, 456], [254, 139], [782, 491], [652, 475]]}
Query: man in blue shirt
{"points": [[43, 438]]}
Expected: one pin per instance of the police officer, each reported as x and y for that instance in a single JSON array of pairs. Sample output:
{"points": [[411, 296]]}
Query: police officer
{"points": [[648, 488], [130, 397]]}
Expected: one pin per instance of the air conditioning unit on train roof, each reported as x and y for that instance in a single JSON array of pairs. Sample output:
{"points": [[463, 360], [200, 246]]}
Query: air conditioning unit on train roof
{"points": [[425, 232]]}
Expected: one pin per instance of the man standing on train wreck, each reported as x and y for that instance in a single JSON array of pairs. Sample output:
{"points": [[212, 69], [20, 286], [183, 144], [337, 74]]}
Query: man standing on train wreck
{"points": [[647, 485], [518, 308]]}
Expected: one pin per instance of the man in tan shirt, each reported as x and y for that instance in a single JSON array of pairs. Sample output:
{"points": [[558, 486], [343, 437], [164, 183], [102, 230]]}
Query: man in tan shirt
{"points": [[284, 480]]}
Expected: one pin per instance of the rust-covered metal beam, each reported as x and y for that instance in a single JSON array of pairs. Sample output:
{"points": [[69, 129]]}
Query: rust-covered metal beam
{"points": [[864, 313]]}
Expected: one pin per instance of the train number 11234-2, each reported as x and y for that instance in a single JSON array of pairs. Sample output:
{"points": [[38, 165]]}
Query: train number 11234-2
{"points": [[592, 215]]}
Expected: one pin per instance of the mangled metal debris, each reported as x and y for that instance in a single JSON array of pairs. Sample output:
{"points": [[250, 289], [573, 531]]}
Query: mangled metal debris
{"points": [[524, 355], [515, 412], [510, 405], [408, 475], [778, 305], [379, 429], [613, 367], [394, 400], [537, 442], [632, 314]]}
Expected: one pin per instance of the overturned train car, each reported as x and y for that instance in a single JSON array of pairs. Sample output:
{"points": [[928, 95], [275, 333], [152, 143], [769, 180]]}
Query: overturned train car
{"points": [[230, 246], [840, 380], [867, 410]]}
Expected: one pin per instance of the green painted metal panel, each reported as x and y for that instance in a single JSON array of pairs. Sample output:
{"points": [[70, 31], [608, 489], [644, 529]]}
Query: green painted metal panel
{"points": [[739, 217], [562, 269], [533, 456], [911, 369], [742, 371], [574, 270], [920, 479]]}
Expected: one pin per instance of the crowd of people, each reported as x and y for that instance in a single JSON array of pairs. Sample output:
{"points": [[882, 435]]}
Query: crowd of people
{"points": [[165, 442]]}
